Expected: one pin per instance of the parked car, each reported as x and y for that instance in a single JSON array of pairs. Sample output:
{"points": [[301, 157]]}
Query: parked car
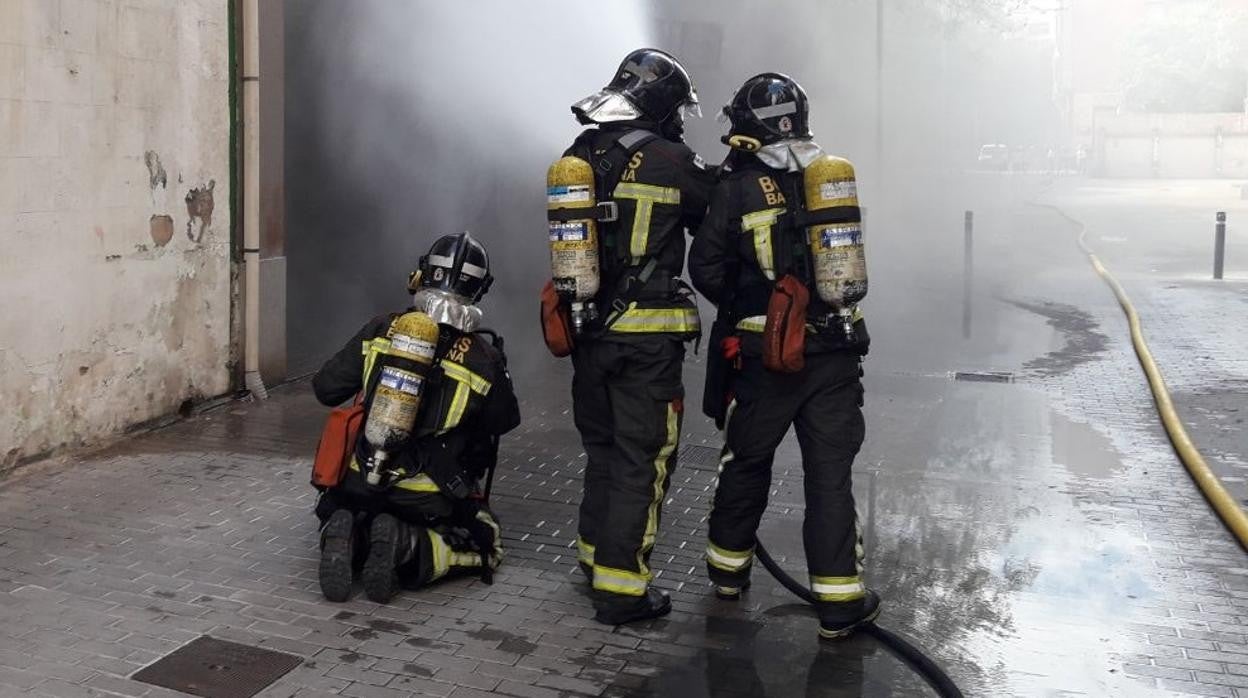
{"points": [[994, 156]]}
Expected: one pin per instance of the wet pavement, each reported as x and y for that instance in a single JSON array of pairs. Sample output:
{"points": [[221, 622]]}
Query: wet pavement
{"points": [[1157, 237], [1037, 537]]}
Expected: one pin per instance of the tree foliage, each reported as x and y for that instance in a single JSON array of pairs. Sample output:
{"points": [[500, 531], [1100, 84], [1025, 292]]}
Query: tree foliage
{"points": [[1187, 57]]}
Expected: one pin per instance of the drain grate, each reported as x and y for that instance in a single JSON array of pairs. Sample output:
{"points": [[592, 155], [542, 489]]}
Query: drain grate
{"points": [[699, 457], [984, 376], [215, 668]]}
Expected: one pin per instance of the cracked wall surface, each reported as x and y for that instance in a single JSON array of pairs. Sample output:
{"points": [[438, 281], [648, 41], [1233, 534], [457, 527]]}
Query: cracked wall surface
{"points": [[114, 216]]}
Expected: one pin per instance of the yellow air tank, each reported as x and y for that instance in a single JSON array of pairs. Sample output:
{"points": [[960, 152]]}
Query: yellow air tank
{"points": [[571, 211], [836, 246], [396, 401]]}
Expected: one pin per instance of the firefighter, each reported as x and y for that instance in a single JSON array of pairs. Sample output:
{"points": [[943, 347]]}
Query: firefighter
{"points": [[627, 393], [752, 237], [427, 518]]}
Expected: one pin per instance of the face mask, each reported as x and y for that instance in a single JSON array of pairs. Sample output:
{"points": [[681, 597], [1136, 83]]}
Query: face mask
{"points": [[448, 309]]}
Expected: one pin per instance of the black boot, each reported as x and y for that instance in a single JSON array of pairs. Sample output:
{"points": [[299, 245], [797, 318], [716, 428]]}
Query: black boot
{"points": [[337, 546], [617, 609], [840, 620], [390, 545], [731, 593]]}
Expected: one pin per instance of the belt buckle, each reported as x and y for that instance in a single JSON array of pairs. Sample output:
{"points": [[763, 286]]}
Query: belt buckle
{"points": [[618, 305], [610, 212]]}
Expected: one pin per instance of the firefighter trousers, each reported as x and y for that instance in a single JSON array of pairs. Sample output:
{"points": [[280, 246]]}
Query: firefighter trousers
{"points": [[823, 403], [628, 404], [443, 550], [442, 539]]}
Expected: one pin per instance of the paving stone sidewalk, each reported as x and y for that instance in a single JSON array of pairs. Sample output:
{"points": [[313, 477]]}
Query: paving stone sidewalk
{"points": [[1157, 238], [1036, 537]]}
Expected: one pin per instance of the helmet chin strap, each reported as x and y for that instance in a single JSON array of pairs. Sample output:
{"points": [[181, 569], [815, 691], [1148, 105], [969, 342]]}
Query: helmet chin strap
{"points": [[446, 308], [745, 143]]}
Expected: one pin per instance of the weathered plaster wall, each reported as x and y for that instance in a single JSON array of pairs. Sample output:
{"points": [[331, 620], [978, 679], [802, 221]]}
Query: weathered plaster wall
{"points": [[114, 215]]}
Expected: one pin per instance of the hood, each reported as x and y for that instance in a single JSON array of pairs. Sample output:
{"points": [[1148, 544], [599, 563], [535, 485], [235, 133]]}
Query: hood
{"points": [[448, 309], [793, 154], [604, 107]]}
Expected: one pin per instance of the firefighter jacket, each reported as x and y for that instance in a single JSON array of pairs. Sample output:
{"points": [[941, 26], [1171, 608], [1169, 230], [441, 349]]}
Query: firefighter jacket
{"points": [[468, 402], [660, 188], [749, 239]]}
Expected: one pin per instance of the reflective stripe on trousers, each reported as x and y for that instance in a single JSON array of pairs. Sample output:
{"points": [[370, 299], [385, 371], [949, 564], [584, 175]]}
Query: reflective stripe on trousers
{"points": [[660, 477], [728, 560], [837, 589]]}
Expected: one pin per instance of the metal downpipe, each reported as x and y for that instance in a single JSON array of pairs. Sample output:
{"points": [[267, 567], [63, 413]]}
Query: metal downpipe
{"points": [[251, 199]]}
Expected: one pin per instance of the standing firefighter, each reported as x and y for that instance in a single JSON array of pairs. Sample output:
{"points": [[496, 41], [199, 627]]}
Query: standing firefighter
{"points": [[780, 254], [620, 201], [434, 396]]}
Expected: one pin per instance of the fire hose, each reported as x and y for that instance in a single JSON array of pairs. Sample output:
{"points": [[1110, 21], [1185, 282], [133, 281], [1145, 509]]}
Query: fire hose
{"points": [[908, 653], [1223, 502]]}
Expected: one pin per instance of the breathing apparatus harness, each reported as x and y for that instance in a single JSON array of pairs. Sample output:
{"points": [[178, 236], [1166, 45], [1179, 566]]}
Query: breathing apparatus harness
{"points": [[624, 284]]}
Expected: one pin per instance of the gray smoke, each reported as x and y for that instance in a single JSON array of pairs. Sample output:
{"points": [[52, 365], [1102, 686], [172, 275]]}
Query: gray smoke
{"points": [[409, 120]]}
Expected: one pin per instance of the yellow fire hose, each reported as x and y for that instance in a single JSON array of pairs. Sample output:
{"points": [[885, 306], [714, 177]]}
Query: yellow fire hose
{"points": [[1223, 503]]}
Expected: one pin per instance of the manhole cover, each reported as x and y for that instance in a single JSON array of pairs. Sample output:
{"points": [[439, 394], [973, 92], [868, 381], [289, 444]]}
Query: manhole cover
{"points": [[215, 668], [985, 376], [699, 457]]}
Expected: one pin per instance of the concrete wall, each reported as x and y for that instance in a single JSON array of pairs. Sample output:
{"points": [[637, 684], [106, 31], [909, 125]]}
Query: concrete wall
{"points": [[114, 215], [1171, 145]]}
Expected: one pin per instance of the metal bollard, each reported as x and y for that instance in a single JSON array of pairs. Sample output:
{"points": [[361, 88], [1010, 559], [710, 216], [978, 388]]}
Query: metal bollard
{"points": [[1219, 245], [967, 272]]}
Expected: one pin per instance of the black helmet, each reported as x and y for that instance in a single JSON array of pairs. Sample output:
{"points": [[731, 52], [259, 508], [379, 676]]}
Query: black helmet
{"points": [[456, 264], [652, 82], [769, 107]]}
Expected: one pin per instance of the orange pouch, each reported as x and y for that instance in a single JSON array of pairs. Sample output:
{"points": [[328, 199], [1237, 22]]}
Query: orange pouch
{"points": [[784, 335], [556, 322], [333, 453]]}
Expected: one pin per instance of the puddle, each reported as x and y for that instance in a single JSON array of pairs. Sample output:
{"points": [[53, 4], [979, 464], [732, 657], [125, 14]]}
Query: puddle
{"points": [[1082, 450], [1083, 340]]}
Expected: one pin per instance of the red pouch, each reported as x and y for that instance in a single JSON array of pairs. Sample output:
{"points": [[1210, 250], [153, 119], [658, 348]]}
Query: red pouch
{"points": [[333, 453], [556, 322], [784, 334]]}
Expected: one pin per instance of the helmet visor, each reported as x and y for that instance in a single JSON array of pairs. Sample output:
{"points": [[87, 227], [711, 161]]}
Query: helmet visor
{"points": [[690, 108], [606, 106]]}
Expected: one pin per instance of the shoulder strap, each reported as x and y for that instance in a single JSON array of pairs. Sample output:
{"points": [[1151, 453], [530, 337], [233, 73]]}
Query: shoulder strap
{"points": [[496, 341], [390, 328], [789, 246], [609, 166]]}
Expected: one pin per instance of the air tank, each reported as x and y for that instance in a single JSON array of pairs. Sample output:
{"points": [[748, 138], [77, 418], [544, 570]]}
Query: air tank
{"points": [[404, 368], [571, 210], [836, 245]]}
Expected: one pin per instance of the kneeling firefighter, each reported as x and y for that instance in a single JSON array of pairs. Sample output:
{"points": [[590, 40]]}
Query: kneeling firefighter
{"points": [[781, 255], [401, 494], [619, 204]]}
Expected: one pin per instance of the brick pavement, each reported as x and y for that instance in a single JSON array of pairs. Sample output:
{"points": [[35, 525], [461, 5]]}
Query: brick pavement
{"points": [[110, 560], [1194, 636], [1037, 537], [1157, 239]]}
